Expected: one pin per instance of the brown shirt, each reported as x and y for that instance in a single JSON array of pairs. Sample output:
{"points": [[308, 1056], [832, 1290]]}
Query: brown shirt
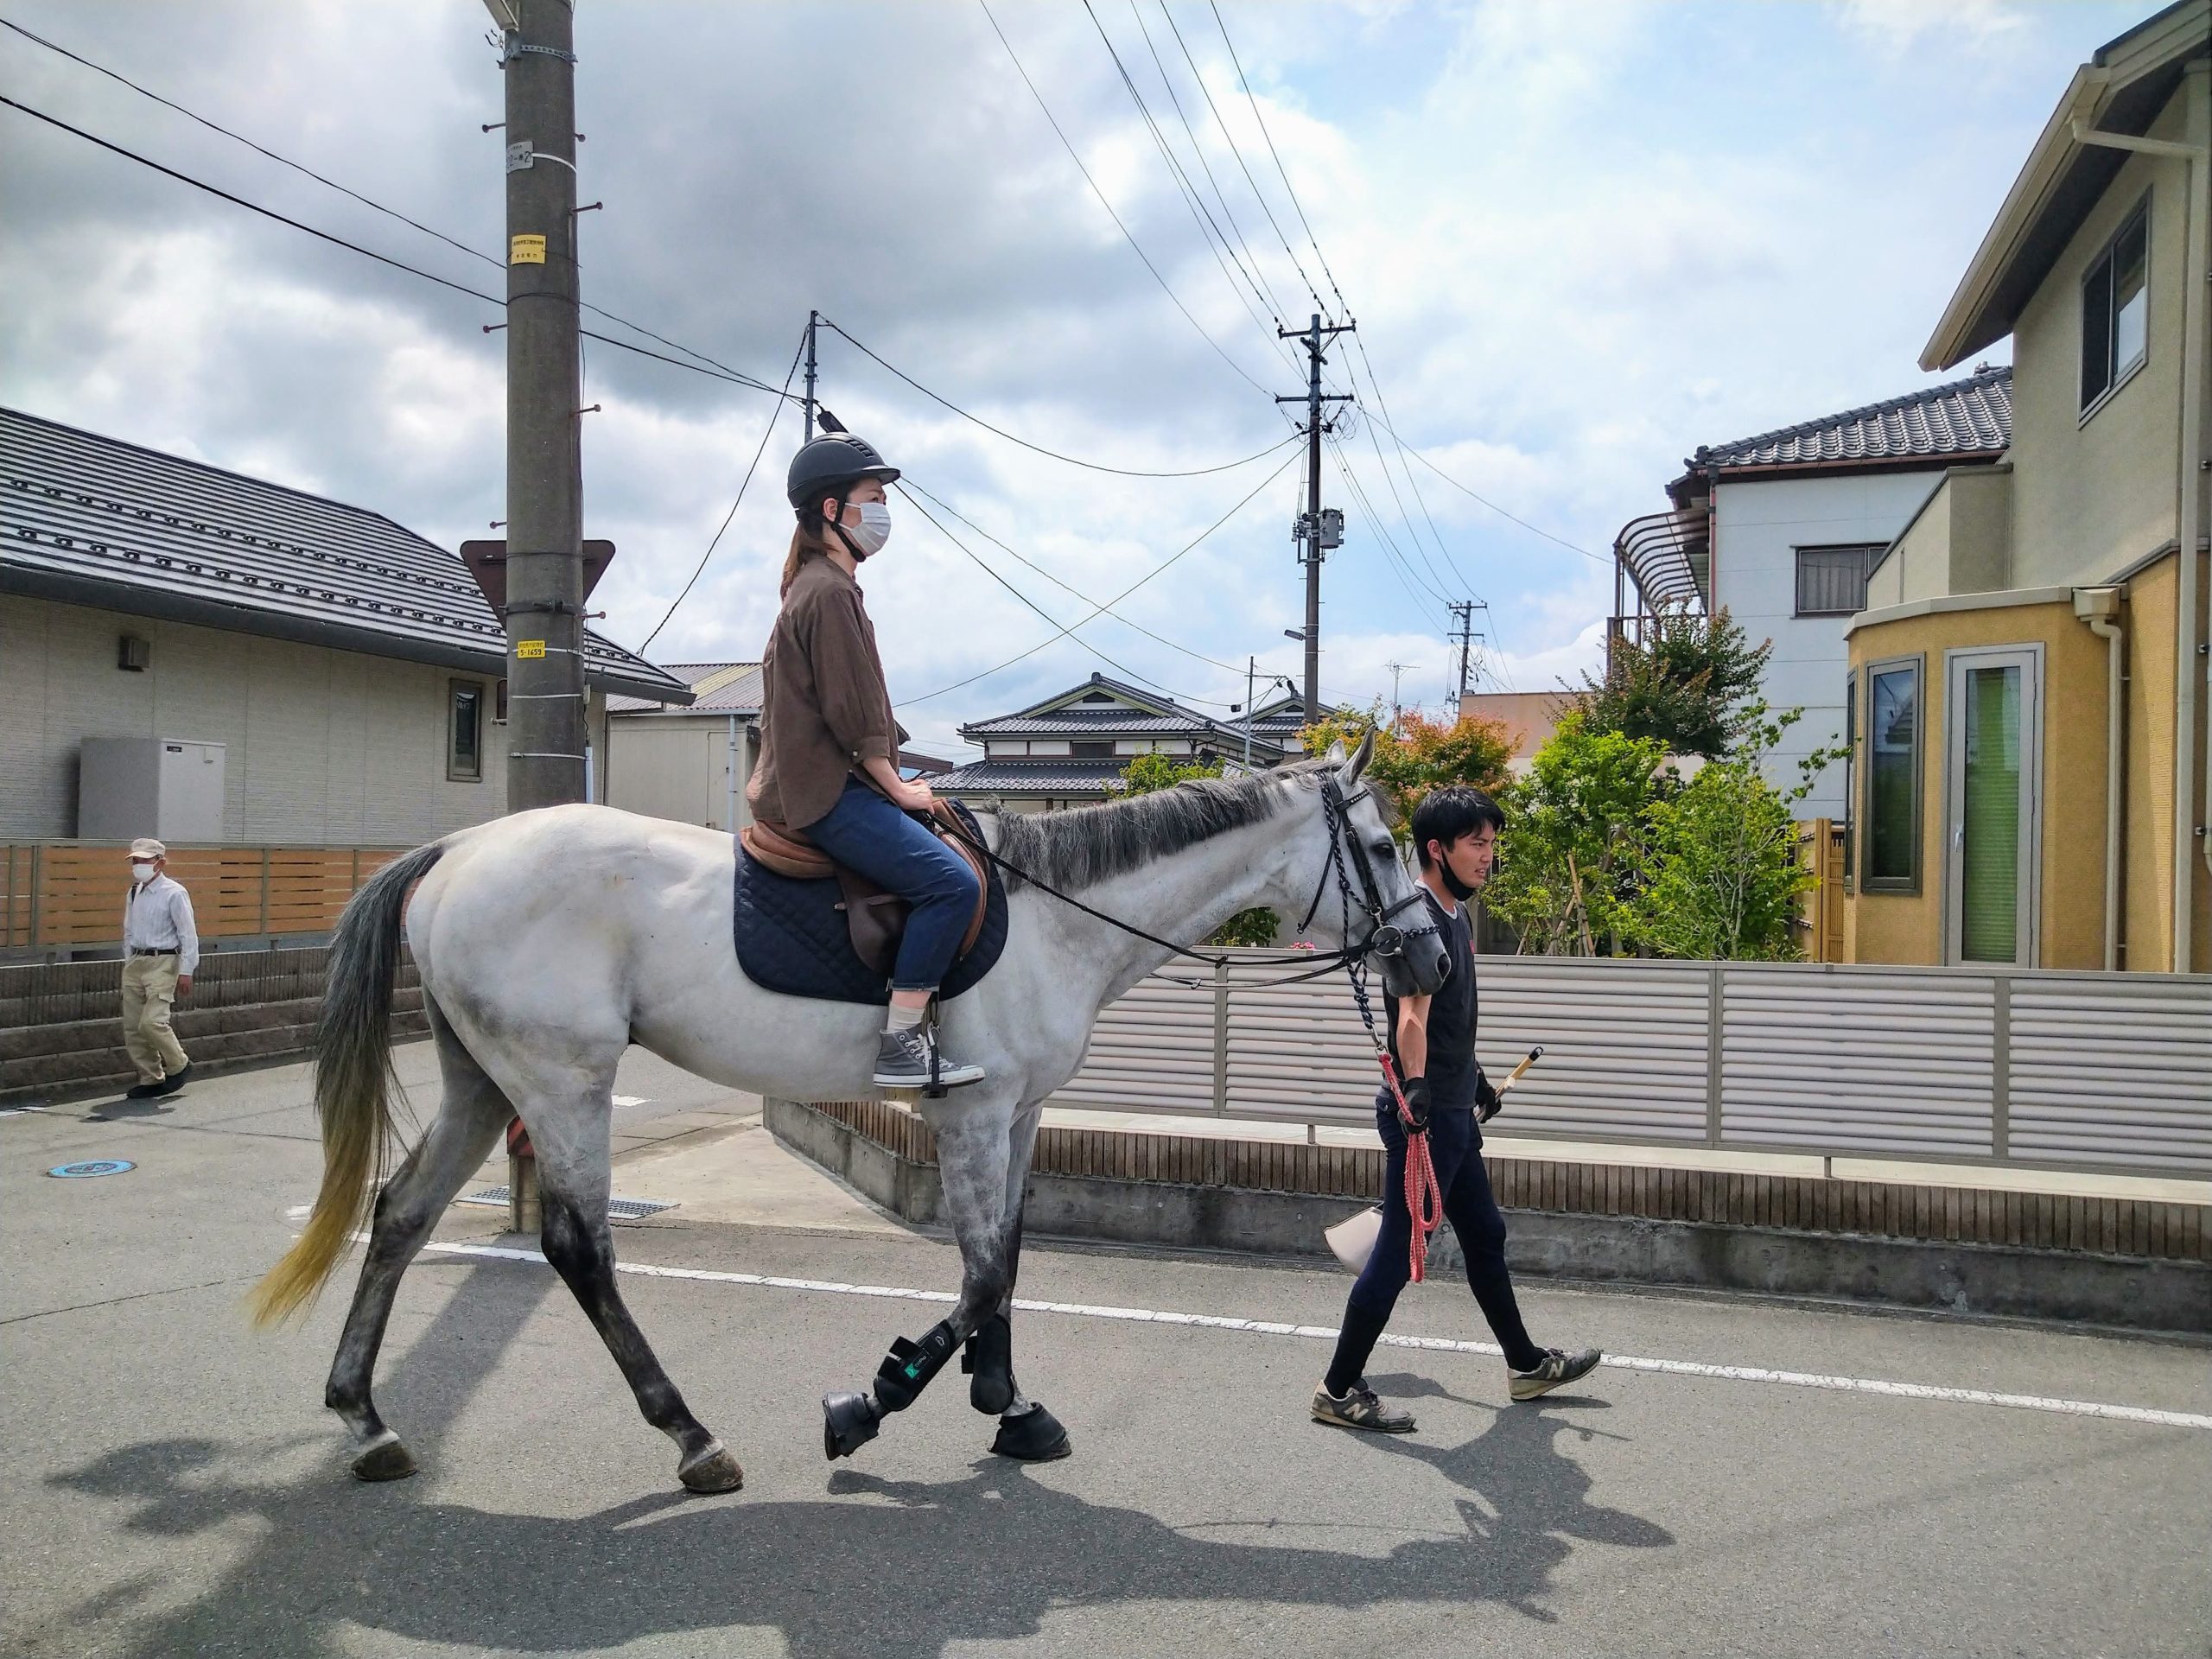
{"points": [[825, 708]]}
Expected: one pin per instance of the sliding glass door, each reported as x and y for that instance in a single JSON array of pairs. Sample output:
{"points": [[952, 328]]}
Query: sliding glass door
{"points": [[1992, 715]]}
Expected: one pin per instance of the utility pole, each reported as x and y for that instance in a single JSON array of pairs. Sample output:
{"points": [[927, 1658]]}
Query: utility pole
{"points": [[1313, 536], [1463, 614], [1397, 670], [545, 571], [812, 318]]}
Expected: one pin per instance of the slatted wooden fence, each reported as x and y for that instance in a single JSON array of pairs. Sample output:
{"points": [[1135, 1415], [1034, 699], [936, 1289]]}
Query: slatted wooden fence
{"points": [[69, 894], [1820, 913]]}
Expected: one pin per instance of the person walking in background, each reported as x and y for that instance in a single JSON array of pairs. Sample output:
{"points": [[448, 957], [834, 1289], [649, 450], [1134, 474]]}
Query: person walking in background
{"points": [[161, 948]]}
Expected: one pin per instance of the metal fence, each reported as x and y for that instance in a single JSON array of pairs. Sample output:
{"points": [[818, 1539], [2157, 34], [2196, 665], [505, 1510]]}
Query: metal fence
{"points": [[2086, 1071]]}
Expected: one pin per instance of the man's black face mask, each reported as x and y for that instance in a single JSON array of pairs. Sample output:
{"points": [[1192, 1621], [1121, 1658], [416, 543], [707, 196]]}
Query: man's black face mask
{"points": [[1452, 884]]}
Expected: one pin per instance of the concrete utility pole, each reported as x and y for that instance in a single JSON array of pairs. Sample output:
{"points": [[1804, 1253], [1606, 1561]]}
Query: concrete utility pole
{"points": [[1463, 613], [1396, 711], [545, 574], [1311, 535], [813, 318]]}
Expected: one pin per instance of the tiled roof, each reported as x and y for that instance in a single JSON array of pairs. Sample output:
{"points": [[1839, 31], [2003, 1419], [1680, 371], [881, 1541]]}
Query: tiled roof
{"points": [[1092, 722], [91, 520], [1968, 416], [1035, 777], [716, 688]]}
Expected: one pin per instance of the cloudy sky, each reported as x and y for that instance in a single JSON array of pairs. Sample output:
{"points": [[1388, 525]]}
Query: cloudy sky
{"points": [[1579, 240]]}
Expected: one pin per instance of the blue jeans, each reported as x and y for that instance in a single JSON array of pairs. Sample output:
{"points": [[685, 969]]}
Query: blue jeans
{"points": [[864, 832], [1455, 1148]]}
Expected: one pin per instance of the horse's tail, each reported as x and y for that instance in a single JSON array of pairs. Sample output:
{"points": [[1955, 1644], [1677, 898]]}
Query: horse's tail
{"points": [[353, 1080]]}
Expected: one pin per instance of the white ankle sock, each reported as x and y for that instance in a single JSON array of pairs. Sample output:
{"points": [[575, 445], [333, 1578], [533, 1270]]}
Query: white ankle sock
{"points": [[898, 1018]]}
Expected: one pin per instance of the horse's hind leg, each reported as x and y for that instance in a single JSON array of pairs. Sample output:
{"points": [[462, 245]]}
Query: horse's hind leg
{"points": [[468, 1121], [572, 1179]]}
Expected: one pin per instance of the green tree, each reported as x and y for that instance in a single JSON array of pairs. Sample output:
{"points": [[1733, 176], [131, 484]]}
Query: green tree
{"points": [[1148, 772], [1573, 849], [1425, 755], [1688, 684]]}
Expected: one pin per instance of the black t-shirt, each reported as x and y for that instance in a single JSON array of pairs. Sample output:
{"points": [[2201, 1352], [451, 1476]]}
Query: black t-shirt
{"points": [[1452, 1070]]}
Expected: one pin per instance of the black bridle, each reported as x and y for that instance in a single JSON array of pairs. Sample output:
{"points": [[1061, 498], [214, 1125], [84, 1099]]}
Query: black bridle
{"points": [[1384, 938]]}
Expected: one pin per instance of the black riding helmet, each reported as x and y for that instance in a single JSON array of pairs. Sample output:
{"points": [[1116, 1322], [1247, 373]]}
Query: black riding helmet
{"points": [[829, 465]]}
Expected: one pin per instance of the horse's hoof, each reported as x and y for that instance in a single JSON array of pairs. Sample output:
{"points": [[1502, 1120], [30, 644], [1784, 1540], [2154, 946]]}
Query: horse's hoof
{"points": [[849, 1422], [1034, 1436], [386, 1460], [714, 1471]]}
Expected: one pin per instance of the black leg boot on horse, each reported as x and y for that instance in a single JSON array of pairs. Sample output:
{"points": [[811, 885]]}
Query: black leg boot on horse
{"points": [[849, 1422], [1027, 1429]]}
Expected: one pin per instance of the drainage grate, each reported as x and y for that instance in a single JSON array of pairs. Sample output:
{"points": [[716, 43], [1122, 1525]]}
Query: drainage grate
{"points": [[617, 1209]]}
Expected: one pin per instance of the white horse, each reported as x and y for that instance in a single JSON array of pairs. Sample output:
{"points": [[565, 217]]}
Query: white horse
{"points": [[551, 941]]}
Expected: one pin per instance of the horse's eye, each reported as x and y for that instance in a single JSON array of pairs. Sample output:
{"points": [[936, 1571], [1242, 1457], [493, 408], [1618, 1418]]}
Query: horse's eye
{"points": [[1385, 849]]}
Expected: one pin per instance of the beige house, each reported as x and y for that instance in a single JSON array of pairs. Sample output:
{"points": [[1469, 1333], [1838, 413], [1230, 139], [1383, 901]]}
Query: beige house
{"points": [[689, 762], [339, 676], [2028, 719]]}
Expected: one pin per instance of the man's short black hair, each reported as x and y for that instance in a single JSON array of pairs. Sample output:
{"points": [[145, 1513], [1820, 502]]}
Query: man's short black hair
{"points": [[1447, 814]]}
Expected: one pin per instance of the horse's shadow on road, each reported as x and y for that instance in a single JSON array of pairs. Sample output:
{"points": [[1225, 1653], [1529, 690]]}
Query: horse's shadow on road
{"points": [[921, 1566], [987, 1557]]}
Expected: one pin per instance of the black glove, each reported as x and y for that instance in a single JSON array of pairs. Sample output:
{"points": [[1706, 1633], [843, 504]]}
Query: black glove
{"points": [[1415, 1090], [1487, 1099]]}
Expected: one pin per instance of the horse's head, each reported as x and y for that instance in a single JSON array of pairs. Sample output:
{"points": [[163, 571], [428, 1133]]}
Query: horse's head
{"points": [[1365, 897]]}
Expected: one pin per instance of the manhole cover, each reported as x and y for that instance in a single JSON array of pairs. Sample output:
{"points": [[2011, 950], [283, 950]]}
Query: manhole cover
{"points": [[91, 1166], [617, 1209]]}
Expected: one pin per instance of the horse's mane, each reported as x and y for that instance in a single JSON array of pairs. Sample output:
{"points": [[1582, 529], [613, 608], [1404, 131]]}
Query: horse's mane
{"points": [[1089, 844]]}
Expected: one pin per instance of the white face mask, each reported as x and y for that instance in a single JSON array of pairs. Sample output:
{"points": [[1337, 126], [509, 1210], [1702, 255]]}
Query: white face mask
{"points": [[874, 529], [141, 873]]}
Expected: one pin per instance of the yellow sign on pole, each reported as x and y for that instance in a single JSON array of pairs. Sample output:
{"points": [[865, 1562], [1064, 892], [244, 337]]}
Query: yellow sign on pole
{"points": [[530, 647], [526, 249]]}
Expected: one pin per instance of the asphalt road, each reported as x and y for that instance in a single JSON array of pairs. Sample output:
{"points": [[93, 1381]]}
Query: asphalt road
{"points": [[170, 1486]]}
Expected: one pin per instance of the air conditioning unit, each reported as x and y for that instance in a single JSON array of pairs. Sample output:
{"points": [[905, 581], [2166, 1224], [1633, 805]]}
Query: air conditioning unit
{"points": [[170, 788]]}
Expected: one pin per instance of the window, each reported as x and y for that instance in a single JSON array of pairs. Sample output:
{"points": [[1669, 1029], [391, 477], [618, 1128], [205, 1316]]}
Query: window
{"points": [[1892, 817], [499, 703], [1832, 580], [1088, 749], [465, 731], [2116, 310], [1993, 740], [1850, 772]]}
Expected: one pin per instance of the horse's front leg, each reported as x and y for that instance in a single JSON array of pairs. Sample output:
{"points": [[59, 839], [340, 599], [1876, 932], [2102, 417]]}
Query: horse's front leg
{"points": [[974, 1147], [1027, 1429]]}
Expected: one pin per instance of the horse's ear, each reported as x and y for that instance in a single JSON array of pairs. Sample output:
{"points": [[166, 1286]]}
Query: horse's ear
{"points": [[1360, 756], [1335, 756]]}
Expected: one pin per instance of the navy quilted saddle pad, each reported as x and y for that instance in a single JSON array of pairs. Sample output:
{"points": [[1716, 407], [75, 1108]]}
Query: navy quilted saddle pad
{"points": [[791, 937]]}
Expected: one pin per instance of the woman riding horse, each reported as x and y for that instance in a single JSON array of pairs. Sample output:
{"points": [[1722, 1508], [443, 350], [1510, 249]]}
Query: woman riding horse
{"points": [[828, 764]]}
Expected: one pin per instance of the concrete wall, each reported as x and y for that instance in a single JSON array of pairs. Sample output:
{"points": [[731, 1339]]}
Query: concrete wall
{"points": [[2092, 497], [1959, 543], [324, 748], [678, 767], [1908, 928], [1759, 526]]}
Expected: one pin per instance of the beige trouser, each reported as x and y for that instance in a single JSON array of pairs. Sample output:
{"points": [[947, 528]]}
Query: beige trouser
{"points": [[149, 988]]}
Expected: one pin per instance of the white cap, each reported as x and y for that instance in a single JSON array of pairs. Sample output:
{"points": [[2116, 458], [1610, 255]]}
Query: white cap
{"points": [[147, 846]]}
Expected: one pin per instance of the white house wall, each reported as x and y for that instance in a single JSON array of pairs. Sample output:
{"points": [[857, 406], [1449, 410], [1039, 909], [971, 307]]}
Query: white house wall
{"points": [[1759, 526], [324, 748], [678, 767]]}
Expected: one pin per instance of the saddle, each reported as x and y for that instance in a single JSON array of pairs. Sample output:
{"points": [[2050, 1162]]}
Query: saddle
{"points": [[875, 919]]}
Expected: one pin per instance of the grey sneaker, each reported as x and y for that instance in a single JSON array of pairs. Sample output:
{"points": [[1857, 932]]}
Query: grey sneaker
{"points": [[1359, 1407], [902, 1061], [1553, 1370]]}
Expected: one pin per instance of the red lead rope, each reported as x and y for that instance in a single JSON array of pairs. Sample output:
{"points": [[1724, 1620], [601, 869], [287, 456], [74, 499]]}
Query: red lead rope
{"points": [[1424, 1200]]}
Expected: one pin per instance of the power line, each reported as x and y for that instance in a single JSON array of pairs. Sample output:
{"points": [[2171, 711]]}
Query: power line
{"points": [[1258, 195], [370, 202], [1464, 490], [982, 565], [367, 253], [1288, 187], [950, 511], [1126, 233], [1252, 259], [761, 449], [1209, 230], [1099, 610], [1038, 449]]}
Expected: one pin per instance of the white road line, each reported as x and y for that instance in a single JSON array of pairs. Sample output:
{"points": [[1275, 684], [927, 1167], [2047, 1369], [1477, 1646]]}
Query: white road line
{"points": [[1434, 1345]]}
